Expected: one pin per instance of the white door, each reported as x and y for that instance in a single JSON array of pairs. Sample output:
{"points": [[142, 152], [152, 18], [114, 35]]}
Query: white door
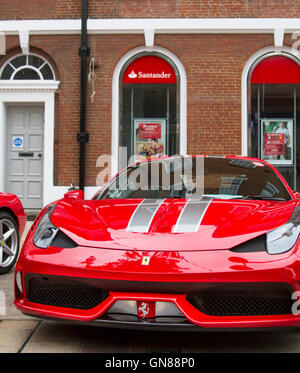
{"points": [[25, 125]]}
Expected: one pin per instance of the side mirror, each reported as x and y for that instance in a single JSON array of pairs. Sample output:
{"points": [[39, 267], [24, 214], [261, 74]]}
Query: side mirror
{"points": [[296, 194], [74, 194]]}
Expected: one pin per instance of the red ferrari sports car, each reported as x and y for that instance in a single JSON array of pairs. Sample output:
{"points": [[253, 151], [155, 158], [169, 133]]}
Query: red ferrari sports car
{"points": [[12, 224], [171, 243]]}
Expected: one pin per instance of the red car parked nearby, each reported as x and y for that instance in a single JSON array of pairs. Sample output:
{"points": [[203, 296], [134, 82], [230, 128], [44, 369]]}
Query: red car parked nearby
{"points": [[170, 243], [12, 224]]}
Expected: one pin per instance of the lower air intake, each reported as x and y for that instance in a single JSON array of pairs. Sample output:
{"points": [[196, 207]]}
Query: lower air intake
{"points": [[249, 299], [64, 293]]}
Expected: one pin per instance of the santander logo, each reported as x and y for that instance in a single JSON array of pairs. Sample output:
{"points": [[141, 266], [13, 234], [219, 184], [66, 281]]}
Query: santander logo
{"points": [[149, 69], [132, 75], [141, 75]]}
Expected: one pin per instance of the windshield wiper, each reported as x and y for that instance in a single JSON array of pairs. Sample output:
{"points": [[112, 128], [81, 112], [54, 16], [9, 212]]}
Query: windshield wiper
{"points": [[259, 197]]}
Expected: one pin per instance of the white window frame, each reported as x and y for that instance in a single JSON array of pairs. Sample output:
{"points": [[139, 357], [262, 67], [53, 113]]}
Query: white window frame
{"points": [[26, 66], [257, 57], [116, 101]]}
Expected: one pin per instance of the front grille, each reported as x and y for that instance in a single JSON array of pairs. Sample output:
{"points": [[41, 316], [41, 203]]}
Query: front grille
{"points": [[244, 299], [64, 293]]}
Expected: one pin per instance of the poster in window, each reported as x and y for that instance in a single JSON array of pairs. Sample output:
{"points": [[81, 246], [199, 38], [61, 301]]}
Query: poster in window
{"points": [[149, 137], [277, 140]]}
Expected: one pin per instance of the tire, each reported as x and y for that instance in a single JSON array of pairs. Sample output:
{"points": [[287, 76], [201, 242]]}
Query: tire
{"points": [[9, 242]]}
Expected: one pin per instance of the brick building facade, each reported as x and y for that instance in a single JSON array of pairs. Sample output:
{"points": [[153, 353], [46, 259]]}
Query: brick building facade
{"points": [[212, 46]]}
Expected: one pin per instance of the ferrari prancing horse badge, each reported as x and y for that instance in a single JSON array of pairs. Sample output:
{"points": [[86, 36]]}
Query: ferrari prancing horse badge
{"points": [[145, 260]]}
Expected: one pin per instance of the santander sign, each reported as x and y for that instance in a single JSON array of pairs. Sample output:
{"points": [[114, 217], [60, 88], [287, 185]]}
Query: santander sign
{"points": [[149, 69]]}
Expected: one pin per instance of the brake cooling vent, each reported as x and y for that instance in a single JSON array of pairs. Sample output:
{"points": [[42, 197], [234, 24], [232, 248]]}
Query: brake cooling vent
{"points": [[250, 299], [64, 293]]}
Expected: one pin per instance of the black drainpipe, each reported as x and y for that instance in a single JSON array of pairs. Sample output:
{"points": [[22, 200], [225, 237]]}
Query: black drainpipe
{"points": [[82, 136]]}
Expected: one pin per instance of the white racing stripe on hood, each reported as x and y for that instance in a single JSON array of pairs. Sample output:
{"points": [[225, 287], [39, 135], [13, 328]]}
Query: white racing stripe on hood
{"points": [[143, 215], [191, 215]]}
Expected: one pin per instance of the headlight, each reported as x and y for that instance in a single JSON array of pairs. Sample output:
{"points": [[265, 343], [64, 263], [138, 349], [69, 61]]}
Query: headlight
{"points": [[45, 231], [283, 238]]}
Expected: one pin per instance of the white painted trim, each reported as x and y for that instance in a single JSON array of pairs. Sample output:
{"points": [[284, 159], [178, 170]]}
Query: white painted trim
{"points": [[160, 25], [267, 52], [192, 25], [149, 37], [26, 67], [29, 85], [7, 62], [115, 101], [24, 40], [278, 37], [31, 93]]}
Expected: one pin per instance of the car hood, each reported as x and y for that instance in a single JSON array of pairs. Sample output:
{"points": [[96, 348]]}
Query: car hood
{"points": [[168, 225]]}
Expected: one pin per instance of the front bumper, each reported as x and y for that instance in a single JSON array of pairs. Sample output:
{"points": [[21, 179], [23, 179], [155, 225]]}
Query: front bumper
{"points": [[167, 278], [98, 314], [170, 326]]}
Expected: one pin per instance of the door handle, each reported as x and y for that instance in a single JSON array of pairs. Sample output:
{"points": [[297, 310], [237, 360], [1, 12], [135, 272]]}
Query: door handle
{"points": [[40, 155]]}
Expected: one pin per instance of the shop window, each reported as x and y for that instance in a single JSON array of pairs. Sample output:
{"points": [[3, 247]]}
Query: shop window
{"points": [[149, 108], [274, 127], [26, 67]]}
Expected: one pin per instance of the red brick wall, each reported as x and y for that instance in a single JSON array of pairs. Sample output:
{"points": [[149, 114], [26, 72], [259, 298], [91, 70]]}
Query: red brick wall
{"points": [[39, 9], [213, 63], [205, 8], [62, 53], [107, 49]]}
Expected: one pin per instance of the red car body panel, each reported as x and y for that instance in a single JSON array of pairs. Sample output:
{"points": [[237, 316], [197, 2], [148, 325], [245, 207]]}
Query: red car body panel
{"points": [[178, 267], [105, 223], [11, 203], [106, 251]]}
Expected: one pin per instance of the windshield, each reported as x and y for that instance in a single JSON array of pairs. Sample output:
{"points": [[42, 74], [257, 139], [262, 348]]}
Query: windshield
{"points": [[197, 177]]}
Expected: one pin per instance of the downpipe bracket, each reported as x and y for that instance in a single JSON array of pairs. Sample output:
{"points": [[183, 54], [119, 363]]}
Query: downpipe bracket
{"points": [[84, 51], [83, 137]]}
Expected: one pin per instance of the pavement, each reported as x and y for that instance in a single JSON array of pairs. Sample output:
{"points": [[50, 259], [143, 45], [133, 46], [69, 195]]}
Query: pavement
{"points": [[24, 334]]}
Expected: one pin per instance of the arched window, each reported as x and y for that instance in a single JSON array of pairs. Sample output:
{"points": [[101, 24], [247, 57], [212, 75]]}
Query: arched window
{"points": [[27, 67], [274, 114], [149, 107]]}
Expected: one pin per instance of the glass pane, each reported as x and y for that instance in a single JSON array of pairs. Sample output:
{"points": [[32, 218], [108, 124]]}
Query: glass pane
{"points": [[194, 178], [27, 74], [126, 120], [35, 61], [149, 101], [276, 112], [6, 73], [254, 122], [19, 61], [277, 101], [47, 73], [297, 145], [173, 122], [272, 126]]}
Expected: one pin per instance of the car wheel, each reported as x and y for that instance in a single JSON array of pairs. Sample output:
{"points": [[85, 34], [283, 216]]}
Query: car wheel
{"points": [[9, 242]]}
